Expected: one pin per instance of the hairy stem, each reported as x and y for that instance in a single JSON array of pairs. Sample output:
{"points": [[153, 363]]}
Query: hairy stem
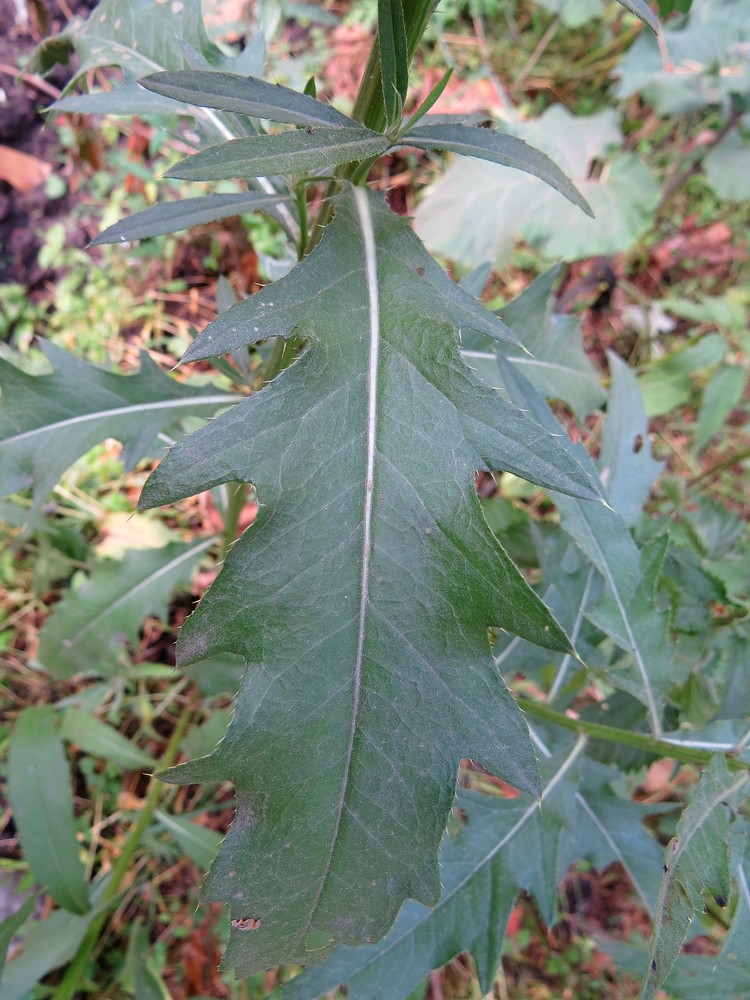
{"points": [[69, 988]]}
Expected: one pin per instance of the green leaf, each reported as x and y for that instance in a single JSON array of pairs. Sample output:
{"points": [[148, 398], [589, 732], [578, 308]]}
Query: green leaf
{"points": [[505, 846], [245, 95], [140, 974], [496, 147], [173, 216], [641, 631], [199, 842], [705, 67], [10, 925], [627, 468], [128, 99], [453, 218], [297, 152], [626, 609], [722, 394], [48, 421], [725, 976], [430, 101], [86, 632], [102, 740], [696, 861], [394, 61], [42, 803], [363, 454], [727, 168], [47, 944], [557, 364], [667, 383], [140, 36], [642, 10]]}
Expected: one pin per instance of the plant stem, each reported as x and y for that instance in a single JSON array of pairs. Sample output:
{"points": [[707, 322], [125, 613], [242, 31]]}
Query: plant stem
{"points": [[237, 496], [722, 465], [69, 987], [625, 737], [369, 106], [680, 178]]}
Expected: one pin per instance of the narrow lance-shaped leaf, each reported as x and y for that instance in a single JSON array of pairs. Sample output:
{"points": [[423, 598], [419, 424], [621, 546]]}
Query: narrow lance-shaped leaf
{"points": [[10, 925], [557, 364], [374, 624], [42, 802], [604, 538], [87, 631], [507, 150], [628, 470], [102, 740], [245, 95], [696, 862], [173, 216], [300, 151], [394, 61], [642, 10], [48, 421]]}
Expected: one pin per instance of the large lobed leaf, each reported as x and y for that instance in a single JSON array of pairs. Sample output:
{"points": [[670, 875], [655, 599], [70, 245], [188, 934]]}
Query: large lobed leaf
{"points": [[48, 421], [367, 643]]}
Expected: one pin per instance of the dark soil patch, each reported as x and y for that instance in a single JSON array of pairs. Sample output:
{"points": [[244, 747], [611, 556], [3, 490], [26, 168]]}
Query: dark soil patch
{"points": [[24, 216]]}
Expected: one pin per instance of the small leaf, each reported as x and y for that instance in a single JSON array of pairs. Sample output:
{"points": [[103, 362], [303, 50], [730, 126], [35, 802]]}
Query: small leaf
{"points": [[42, 802], [87, 630], [97, 738], [297, 152], [245, 95], [696, 861], [47, 945], [430, 101], [722, 394], [394, 62], [48, 421], [10, 925], [642, 10], [199, 842], [507, 150], [173, 216]]}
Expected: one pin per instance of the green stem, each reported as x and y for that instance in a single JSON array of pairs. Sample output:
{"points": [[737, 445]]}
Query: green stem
{"points": [[237, 497], [369, 107], [625, 737], [722, 466], [69, 988]]}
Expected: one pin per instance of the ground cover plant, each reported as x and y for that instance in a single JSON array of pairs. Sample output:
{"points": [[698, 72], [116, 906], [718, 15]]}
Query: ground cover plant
{"points": [[441, 549]]}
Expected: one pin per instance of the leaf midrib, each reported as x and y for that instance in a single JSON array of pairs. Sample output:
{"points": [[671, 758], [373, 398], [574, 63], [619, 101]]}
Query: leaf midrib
{"points": [[118, 411], [370, 254]]}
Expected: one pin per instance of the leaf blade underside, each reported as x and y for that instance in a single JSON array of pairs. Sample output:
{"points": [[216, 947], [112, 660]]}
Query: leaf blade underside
{"points": [[367, 643]]}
